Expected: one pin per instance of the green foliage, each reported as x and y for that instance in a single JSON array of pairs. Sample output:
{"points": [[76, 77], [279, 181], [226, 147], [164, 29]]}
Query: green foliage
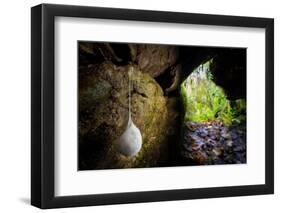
{"points": [[203, 100], [239, 110]]}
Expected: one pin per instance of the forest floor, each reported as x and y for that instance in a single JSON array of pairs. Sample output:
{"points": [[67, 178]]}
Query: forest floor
{"points": [[210, 143]]}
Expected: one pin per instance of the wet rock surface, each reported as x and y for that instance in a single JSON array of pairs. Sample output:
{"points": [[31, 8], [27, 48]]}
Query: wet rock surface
{"points": [[211, 143]]}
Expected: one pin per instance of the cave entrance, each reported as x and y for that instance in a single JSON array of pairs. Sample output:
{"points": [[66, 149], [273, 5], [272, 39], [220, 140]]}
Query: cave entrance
{"points": [[202, 99], [212, 124]]}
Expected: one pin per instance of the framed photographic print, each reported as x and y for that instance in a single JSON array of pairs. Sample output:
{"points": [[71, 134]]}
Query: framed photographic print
{"points": [[140, 106]]}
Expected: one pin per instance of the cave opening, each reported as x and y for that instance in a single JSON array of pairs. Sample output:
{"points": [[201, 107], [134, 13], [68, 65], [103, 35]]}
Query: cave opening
{"points": [[212, 123]]}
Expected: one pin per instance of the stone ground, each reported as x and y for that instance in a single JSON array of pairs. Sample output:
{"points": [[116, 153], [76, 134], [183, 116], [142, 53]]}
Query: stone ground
{"points": [[211, 143]]}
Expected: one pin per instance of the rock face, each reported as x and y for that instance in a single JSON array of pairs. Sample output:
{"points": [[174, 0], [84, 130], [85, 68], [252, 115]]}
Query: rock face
{"points": [[154, 59], [103, 116]]}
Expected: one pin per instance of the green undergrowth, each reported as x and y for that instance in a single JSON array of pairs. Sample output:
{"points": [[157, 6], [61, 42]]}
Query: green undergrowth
{"points": [[203, 100]]}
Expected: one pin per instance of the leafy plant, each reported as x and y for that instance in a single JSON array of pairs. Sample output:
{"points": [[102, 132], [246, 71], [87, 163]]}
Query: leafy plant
{"points": [[203, 100]]}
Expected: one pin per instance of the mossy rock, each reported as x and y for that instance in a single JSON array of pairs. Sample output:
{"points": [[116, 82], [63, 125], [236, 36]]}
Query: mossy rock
{"points": [[103, 116]]}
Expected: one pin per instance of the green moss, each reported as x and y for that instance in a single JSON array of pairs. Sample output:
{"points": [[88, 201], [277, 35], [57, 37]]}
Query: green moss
{"points": [[239, 110], [99, 91]]}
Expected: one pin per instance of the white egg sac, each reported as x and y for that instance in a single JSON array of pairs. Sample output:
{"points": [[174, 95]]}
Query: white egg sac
{"points": [[130, 142]]}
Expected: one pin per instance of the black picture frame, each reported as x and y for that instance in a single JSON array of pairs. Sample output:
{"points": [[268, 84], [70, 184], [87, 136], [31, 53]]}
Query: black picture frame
{"points": [[43, 111]]}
